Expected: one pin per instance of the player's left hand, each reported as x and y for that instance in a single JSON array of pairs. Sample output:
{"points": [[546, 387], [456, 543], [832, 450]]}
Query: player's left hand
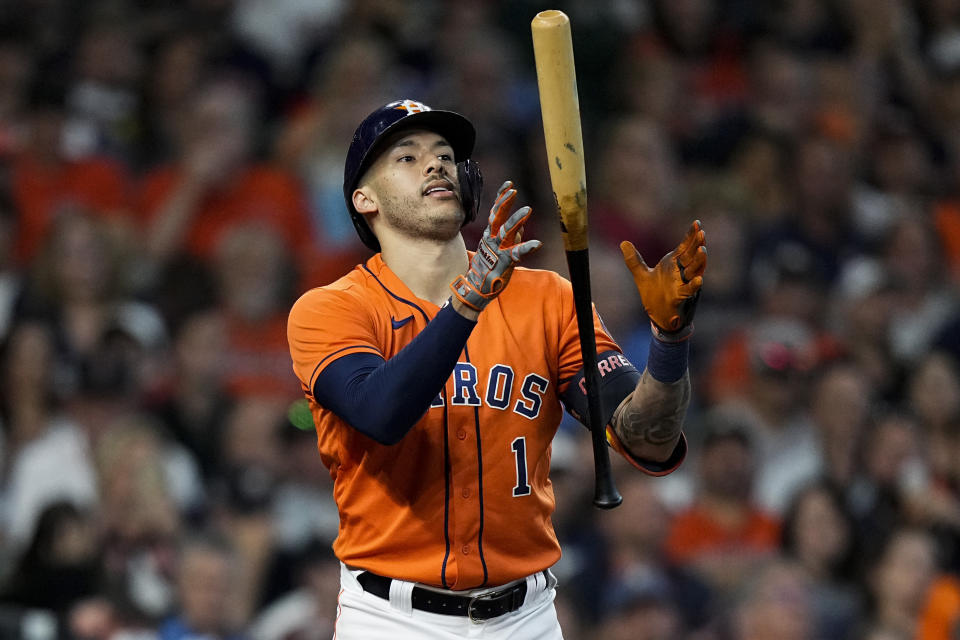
{"points": [[499, 251], [670, 290]]}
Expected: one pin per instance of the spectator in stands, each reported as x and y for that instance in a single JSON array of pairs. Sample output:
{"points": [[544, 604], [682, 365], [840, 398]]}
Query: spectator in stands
{"points": [[642, 614], [48, 452], [12, 277], [17, 68], [103, 93], [304, 612], [61, 564], [840, 404], [724, 535], [933, 392], [47, 184], [899, 581], [78, 288], [892, 471], [637, 186], [216, 182], [859, 309], [303, 512], [821, 221], [940, 619], [819, 535], [641, 576], [206, 569], [173, 71], [771, 400], [926, 298], [777, 604], [255, 286], [244, 493], [141, 477], [193, 402]]}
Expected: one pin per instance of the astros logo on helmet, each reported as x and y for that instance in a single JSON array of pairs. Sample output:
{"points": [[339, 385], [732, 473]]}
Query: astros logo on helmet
{"points": [[412, 106]]}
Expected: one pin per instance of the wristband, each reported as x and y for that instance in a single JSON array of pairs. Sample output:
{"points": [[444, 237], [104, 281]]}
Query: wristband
{"points": [[667, 361]]}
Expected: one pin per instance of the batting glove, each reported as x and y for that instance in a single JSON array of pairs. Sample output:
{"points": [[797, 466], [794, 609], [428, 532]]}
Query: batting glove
{"points": [[499, 250], [670, 291]]}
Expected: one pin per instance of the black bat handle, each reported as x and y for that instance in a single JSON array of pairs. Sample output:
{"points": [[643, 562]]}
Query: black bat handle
{"points": [[605, 494]]}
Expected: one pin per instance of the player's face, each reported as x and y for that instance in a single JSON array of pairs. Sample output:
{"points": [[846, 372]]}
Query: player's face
{"points": [[415, 185]]}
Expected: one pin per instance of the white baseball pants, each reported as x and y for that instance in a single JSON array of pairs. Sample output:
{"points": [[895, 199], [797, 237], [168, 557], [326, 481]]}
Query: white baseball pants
{"points": [[364, 616]]}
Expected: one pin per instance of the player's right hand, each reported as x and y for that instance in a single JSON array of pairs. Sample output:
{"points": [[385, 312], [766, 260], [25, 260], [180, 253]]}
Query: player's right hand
{"points": [[499, 251], [670, 290]]}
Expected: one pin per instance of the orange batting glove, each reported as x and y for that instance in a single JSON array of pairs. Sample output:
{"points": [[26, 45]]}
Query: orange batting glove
{"points": [[499, 251], [670, 291]]}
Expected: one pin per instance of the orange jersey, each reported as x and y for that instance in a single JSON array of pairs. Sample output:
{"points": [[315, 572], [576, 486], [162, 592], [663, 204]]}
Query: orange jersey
{"points": [[464, 499]]}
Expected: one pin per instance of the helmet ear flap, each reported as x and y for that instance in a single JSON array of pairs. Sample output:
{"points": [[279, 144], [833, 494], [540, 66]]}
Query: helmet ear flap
{"points": [[471, 187], [364, 231]]}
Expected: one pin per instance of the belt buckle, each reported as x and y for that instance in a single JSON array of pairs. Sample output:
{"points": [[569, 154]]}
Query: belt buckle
{"points": [[485, 597]]}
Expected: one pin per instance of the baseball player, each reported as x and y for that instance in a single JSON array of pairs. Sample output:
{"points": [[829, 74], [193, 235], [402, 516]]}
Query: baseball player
{"points": [[436, 378]]}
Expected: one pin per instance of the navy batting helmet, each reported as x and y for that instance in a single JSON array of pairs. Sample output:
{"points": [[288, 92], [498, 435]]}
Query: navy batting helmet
{"points": [[407, 114]]}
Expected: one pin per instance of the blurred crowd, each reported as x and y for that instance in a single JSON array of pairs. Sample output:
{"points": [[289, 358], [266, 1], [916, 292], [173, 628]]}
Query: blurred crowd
{"points": [[171, 180]]}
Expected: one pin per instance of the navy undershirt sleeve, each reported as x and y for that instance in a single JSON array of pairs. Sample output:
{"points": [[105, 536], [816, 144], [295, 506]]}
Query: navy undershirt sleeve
{"points": [[383, 399]]}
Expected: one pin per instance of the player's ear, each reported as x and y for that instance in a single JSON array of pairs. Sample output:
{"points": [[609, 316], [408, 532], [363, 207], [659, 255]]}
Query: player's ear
{"points": [[364, 200]]}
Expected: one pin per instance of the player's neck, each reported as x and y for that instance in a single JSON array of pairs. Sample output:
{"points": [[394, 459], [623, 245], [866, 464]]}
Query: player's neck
{"points": [[427, 267]]}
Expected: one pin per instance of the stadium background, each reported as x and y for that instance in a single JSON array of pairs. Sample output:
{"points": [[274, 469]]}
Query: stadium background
{"points": [[170, 180]]}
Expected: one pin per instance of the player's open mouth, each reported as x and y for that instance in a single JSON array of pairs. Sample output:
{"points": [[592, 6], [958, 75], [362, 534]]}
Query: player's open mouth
{"points": [[439, 189]]}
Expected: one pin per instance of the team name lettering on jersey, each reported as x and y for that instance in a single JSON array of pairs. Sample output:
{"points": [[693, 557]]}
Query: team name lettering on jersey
{"points": [[465, 385], [497, 393], [499, 386], [532, 391]]}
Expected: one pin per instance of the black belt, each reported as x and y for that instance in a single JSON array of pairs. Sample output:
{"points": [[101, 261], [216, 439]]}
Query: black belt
{"points": [[481, 607]]}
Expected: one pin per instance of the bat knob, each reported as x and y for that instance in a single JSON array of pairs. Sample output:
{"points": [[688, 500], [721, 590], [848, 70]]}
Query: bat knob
{"points": [[606, 495]]}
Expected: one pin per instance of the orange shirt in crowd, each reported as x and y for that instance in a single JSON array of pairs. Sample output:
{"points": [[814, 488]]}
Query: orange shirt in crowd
{"points": [[258, 359], [940, 619], [946, 217], [259, 194], [729, 372], [97, 185], [694, 532]]}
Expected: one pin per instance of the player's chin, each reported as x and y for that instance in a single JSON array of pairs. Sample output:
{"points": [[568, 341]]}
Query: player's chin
{"points": [[441, 229], [448, 208], [449, 222]]}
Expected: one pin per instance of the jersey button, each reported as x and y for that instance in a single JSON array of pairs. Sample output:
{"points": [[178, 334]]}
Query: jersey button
{"points": [[465, 492], [465, 549], [462, 434]]}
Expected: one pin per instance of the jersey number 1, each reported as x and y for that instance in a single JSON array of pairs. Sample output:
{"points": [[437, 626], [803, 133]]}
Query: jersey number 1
{"points": [[519, 446]]}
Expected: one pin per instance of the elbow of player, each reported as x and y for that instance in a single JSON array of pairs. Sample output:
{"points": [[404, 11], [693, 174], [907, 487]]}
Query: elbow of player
{"points": [[389, 440], [387, 425], [655, 452], [387, 433]]}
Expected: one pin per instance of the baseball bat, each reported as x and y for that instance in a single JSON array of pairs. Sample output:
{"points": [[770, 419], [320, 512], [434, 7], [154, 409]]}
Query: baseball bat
{"points": [[560, 107]]}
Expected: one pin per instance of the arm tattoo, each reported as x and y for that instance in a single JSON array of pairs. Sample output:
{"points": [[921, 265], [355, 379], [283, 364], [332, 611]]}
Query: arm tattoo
{"points": [[653, 414]]}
